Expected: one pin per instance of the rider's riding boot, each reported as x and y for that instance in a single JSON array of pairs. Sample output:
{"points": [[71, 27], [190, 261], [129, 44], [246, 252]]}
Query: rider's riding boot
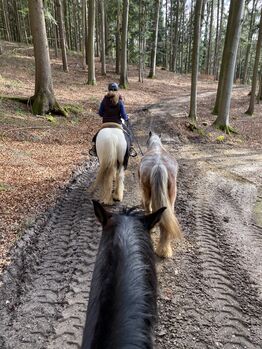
{"points": [[132, 151], [92, 151]]}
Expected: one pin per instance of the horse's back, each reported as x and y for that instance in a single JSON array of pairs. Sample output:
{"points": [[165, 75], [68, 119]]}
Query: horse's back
{"points": [[111, 140], [159, 157]]}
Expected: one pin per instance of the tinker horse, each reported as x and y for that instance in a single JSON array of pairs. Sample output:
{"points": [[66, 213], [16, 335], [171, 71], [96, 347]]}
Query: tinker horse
{"points": [[122, 304], [158, 182], [112, 152]]}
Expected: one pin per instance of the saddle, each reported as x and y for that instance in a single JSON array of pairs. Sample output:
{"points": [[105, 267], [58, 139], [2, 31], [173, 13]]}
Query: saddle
{"points": [[112, 125]]}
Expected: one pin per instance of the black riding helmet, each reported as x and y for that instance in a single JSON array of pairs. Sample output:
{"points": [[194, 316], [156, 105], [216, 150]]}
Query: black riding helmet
{"points": [[113, 86]]}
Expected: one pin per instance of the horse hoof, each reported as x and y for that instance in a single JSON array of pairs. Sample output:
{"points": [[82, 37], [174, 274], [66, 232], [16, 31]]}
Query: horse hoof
{"points": [[164, 251], [117, 198]]}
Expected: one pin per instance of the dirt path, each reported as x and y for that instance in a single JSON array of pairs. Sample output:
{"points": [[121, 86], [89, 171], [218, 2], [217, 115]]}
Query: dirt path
{"points": [[210, 293]]}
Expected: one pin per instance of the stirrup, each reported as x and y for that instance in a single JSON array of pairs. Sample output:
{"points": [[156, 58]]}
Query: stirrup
{"points": [[132, 152]]}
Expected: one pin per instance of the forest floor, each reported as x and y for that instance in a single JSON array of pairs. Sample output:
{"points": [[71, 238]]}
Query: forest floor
{"points": [[45, 166]]}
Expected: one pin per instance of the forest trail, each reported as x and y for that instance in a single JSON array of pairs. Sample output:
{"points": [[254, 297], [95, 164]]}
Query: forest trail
{"points": [[210, 292]]}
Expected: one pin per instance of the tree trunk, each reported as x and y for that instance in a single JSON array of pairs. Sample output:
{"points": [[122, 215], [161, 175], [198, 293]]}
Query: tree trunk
{"points": [[217, 57], [250, 110], [209, 48], [222, 66], [250, 35], [17, 22], [1, 49], [140, 68], [103, 44], [216, 41], [189, 54], [84, 33], [195, 61], [175, 39], [259, 96], [6, 20], [152, 72], [62, 34], [118, 25], [229, 63], [43, 100], [97, 32], [91, 42], [123, 74]]}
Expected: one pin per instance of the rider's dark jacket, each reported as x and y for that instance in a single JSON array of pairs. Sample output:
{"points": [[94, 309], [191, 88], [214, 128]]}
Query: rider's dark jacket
{"points": [[111, 112]]}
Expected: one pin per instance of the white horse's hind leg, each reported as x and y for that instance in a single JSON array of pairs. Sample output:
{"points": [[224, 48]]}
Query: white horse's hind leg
{"points": [[107, 188], [119, 190]]}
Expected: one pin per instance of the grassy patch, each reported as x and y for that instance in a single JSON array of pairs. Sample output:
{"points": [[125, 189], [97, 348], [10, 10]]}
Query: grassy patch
{"points": [[75, 109], [4, 187]]}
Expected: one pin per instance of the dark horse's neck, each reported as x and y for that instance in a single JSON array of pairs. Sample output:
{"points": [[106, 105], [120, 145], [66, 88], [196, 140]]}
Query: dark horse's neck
{"points": [[122, 305]]}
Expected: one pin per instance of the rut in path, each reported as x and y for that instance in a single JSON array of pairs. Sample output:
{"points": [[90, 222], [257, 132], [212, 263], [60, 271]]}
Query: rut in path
{"points": [[209, 292]]}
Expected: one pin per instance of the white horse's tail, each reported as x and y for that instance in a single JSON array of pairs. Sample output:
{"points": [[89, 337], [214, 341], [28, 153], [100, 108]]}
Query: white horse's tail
{"points": [[107, 168], [160, 198]]}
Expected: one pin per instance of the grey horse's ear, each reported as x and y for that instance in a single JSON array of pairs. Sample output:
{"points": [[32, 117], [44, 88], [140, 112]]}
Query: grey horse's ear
{"points": [[101, 214], [152, 219], [150, 133]]}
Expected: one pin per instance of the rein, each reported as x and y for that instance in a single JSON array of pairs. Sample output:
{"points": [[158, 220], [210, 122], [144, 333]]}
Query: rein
{"points": [[131, 129]]}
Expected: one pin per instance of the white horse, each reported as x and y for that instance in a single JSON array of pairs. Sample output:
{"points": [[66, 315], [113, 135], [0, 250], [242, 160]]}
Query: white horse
{"points": [[111, 148]]}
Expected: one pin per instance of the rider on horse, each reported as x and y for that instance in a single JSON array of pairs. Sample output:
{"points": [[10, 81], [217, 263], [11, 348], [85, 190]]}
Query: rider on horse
{"points": [[112, 110]]}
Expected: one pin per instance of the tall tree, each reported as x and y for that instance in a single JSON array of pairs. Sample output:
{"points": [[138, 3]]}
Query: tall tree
{"points": [[259, 96], [152, 72], [209, 48], [195, 61], [250, 110], [84, 33], [62, 34], [123, 73], [103, 44], [118, 25], [222, 67], [228, 64], [44, 100], [91, 42], [249, 41], [6, 21]]}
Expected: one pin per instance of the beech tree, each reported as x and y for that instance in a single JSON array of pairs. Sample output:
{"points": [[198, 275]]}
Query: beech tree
{"points": [[62, 34], [44, 100], [123, 72], [249, 42], [103, 44], [228, 65], [91, 41], [195, 61], [152, 72], [250, 110]]}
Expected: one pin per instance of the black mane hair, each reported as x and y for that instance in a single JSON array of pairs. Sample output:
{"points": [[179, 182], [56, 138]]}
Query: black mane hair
{"points": [[122, 304]]}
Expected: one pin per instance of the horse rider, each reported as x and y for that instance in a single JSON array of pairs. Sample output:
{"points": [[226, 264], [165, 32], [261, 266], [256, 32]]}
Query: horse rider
{"points": [[112, 110]]}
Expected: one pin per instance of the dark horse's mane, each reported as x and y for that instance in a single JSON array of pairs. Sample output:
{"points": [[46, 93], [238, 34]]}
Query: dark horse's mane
{"points": [[122, 304]]}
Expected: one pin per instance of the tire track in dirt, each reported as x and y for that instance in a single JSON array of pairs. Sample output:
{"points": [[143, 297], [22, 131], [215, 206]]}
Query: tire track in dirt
{"points": [[48, 302], [209, 292]]}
